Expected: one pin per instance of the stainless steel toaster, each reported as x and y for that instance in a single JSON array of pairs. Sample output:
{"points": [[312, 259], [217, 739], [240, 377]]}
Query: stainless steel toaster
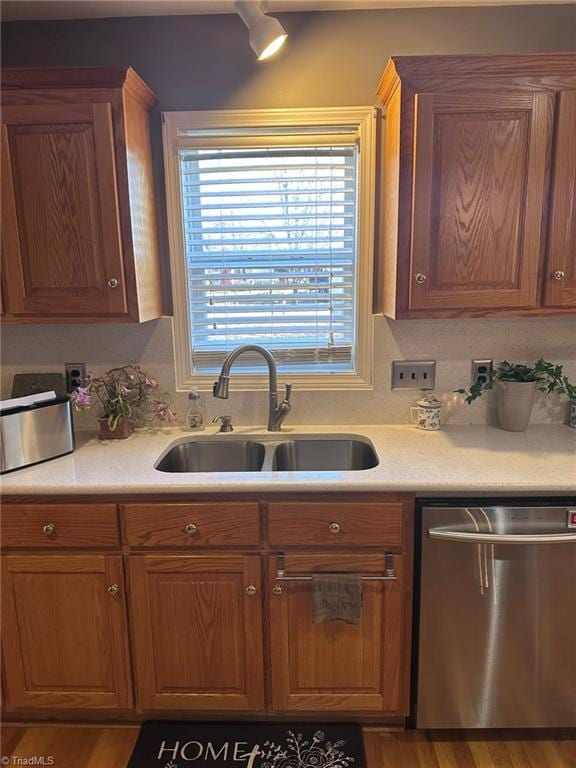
{"points": [[32, 434]]}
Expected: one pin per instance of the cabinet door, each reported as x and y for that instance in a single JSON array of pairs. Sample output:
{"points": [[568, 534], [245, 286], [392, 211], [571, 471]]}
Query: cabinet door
{"points": [[61, 233], [561, 271], [64, 632], [479, 192], [198, 632], [335, 666]]}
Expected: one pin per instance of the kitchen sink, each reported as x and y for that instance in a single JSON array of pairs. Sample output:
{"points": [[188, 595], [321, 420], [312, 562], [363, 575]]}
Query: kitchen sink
{"points": [[216, 456], [270, 453], [328, 454]]}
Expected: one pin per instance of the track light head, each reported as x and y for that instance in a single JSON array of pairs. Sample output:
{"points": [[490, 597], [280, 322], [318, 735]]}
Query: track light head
{"points": [[267, 35]]}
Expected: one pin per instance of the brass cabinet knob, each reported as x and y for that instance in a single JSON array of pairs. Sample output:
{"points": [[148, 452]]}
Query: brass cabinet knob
{"points": [[49, 529], [113, 282], [334, 528], [277, 590], [559, 274], [113, 589], [251, 589], [191, 529], [420, 278]]}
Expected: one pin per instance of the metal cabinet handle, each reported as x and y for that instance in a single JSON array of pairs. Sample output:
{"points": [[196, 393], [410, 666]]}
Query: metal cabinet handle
{"points": [[277, 590], [334, 528], [420, 278], [559, 274], [49, 529], [502, 538], [113, 282], [113, 589], [191, 529], [251, 589]]}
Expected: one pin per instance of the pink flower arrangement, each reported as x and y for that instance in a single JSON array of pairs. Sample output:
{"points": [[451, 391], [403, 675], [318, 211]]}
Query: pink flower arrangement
{"points": [[82, 397], [126, 392]]}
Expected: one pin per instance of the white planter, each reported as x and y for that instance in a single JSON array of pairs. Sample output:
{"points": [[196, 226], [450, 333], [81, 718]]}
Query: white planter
{"points": [[514, 401], [572, 416]]}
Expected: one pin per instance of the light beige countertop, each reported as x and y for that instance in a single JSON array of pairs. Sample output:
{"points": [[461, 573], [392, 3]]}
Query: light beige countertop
{"points": [[457, 459]]}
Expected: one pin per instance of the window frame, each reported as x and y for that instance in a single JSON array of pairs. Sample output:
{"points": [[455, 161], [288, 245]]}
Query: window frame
{"points": [[359, 120]]}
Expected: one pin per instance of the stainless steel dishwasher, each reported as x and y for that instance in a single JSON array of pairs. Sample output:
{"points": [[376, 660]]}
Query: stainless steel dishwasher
{"points": [[497, 617]]}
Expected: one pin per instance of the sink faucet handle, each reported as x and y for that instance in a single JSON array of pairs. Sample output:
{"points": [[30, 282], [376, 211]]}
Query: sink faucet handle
{"points": [[226, 423], [288, 392]]}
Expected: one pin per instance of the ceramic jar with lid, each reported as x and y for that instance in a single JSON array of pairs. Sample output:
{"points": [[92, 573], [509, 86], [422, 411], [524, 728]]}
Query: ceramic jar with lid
{"points": [[572, 418], [426, 413]]}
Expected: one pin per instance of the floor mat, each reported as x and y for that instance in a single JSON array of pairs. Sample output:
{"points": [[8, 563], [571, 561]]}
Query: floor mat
{"points": [[248, 745]]}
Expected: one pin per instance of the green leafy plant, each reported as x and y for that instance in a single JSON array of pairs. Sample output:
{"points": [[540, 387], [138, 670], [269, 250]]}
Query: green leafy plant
{"points": [[568, 389], [126, 392], [548, 377]]}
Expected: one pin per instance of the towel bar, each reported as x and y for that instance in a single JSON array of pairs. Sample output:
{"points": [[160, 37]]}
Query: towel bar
{"points": [[309, 578], [388, 567]]}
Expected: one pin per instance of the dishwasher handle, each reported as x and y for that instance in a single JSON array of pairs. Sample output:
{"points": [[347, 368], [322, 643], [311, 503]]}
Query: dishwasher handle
{"points": [[502, 538]]}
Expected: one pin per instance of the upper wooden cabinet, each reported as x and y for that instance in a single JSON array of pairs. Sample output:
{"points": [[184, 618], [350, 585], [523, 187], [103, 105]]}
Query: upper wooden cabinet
{"points": [[469, 144], [78, 213], [561, 266]]}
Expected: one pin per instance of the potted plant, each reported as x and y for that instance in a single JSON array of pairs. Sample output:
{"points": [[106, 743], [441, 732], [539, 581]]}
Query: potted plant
{"points": [[569, 389], [129, 398], [516, 385]]}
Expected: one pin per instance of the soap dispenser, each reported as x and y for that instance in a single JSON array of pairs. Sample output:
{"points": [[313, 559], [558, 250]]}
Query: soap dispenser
{"points": [[194, 421]]}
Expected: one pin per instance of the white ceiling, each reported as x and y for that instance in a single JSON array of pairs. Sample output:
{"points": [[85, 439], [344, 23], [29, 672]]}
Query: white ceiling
{"points": [[22, 10]]}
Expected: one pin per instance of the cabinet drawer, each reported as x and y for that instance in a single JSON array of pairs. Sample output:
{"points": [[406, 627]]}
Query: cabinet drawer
{"points": [[60, 525], [369, 524], [192, 525]]}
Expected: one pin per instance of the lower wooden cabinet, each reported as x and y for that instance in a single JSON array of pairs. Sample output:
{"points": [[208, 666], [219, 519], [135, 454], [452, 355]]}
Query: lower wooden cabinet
{"points": [[64, 632], [207, 631], [197, 624], [335, 666]]}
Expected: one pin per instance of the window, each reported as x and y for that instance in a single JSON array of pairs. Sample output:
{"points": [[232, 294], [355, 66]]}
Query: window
{"points": [[271, 239]]}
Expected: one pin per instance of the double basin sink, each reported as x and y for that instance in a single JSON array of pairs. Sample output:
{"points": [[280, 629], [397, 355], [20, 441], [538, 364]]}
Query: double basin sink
{"points": [[298, 454]]}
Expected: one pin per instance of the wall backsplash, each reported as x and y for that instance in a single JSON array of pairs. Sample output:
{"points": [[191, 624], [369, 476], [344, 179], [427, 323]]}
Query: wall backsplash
{"points": [[453, 343]]}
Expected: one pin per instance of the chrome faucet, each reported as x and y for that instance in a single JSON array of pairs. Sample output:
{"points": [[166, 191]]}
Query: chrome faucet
{"points": [[277, 412]]}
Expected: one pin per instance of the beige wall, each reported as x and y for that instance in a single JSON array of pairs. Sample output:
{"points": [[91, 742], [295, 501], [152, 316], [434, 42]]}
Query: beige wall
{"points": [[451, 343], [331, 59]]}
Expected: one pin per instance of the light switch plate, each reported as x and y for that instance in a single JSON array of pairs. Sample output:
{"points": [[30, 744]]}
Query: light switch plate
{"points": [[413, 374]]}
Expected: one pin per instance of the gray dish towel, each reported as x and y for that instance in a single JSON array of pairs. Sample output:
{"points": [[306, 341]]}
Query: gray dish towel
{"points": [[337, 597]]}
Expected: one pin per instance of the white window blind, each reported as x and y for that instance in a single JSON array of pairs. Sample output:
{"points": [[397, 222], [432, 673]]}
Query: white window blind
{"points": [[270, 249]]}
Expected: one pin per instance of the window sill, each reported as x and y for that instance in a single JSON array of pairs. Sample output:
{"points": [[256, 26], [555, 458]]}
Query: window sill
{"points": [[244, 382]]}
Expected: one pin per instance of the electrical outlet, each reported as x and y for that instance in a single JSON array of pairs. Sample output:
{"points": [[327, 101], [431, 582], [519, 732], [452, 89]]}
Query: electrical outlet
{"points": [[413, 374], [481, 371], [75, 375]]}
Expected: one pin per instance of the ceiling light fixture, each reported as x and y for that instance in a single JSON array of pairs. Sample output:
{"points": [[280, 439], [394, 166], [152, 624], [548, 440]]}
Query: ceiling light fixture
{"points": [[267, 35]]}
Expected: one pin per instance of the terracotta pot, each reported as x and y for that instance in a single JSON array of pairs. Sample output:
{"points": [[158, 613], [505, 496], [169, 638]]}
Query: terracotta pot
{"points": [[124, 428], [514, 400]]}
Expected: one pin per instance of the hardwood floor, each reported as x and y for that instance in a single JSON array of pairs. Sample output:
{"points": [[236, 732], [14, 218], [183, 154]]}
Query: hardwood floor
{"points": [[110, 747], [421, 749], [71, 747]]}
